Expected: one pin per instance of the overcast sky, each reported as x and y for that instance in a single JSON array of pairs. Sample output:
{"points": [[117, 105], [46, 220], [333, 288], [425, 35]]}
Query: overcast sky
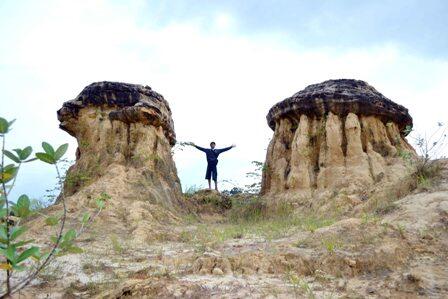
{"points": [[220, 64]]}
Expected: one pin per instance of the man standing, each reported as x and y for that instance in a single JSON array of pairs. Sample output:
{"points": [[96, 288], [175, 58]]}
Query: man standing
{"points": [[212, 154]]}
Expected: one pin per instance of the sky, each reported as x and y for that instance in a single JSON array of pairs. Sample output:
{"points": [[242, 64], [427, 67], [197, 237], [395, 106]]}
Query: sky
{"points": [[220, 64]]}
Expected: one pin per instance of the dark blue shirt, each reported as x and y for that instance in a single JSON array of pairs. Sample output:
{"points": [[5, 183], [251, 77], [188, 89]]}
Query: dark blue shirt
{"points": [[212, 154]]}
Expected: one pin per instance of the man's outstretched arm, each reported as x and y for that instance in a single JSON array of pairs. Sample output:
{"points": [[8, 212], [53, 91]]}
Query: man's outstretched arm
{"points": [[199, 148], [221, 150]]}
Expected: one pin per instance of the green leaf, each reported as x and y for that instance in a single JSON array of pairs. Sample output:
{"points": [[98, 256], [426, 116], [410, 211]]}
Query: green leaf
{"points": [[9, 167], [11, 156], [63, 245], [104, 196], [22, 243], [23, 206], [407, 130], [70, 235], [4, 126], [54, 239], [23, 201], [16, 232], [32, 251], [6, 177], [25, 153], [48, 148], [52, 220], [74, 249], [45, 158], [3, 232], [99, 203], [61, 151], [18, 268], [85, 218], [18, 151], [9, 253], [8, 173]]}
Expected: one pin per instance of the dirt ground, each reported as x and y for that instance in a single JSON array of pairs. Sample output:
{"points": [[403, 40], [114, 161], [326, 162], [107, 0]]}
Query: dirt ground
{"points": [[228, 248]]}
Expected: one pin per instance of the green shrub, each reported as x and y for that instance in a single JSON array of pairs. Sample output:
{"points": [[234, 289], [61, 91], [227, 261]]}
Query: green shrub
{"points": [[430, 149], [17, 252]]}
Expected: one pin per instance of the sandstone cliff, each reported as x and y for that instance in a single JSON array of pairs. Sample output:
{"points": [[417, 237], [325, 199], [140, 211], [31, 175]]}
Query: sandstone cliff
{"points": [[125, 133], [333, 136]]}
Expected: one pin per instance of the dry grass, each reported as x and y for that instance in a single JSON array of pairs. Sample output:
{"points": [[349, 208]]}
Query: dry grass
{"points": [[428, 173], [251, 218]]}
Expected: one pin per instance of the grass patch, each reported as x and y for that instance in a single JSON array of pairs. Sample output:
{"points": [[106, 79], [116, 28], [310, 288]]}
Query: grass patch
{"points": [[191, 190], [367, 218], [251, 218], [251, 209], [301, 288], [428, 173], [331, 244], [424, 182], [116, 245], [401, 230], [191, 218], [209, 199], [313, 223], [75, 179]]}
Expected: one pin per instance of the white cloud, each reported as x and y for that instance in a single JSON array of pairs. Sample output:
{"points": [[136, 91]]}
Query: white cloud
{"points": [[224, 21], [219, 84]]}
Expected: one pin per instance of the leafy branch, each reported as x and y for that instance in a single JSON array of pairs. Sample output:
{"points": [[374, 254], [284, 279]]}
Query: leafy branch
{"points": [[15, 252]]}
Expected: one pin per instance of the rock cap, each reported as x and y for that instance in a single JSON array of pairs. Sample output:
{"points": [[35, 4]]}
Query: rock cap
{"points": [[134, 103], [341, 97]]}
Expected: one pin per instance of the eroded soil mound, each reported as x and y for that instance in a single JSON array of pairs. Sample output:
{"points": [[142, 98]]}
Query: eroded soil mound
{"points": [[338, 135]]}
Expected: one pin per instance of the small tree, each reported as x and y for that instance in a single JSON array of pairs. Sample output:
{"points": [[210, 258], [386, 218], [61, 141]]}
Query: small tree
{"points": [[429, 148], [254, 186], [16, 252], [255, 175]]}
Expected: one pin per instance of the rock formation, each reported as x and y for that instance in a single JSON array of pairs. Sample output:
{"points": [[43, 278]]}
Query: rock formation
{"points": [[336, 135], [125, 134], [391, 245]]}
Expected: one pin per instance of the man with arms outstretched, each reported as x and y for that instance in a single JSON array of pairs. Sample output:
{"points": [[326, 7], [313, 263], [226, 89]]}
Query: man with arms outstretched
{"points": [[212, 154]]}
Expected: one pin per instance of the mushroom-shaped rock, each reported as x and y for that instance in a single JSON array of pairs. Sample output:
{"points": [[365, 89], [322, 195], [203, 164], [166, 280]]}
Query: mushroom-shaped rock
{"points": [[333, 135], [125, 134]]}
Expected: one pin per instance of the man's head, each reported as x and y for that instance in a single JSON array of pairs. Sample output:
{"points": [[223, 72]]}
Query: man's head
{"points": [[212, 144]]}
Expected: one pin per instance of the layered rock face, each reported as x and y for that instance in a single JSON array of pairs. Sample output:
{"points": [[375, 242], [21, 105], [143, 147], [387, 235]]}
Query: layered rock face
{"points": [[336, 135], [125, 133]]}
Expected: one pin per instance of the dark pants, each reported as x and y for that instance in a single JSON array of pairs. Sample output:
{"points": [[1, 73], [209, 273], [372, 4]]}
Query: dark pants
{"points": [[211, 171]]}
